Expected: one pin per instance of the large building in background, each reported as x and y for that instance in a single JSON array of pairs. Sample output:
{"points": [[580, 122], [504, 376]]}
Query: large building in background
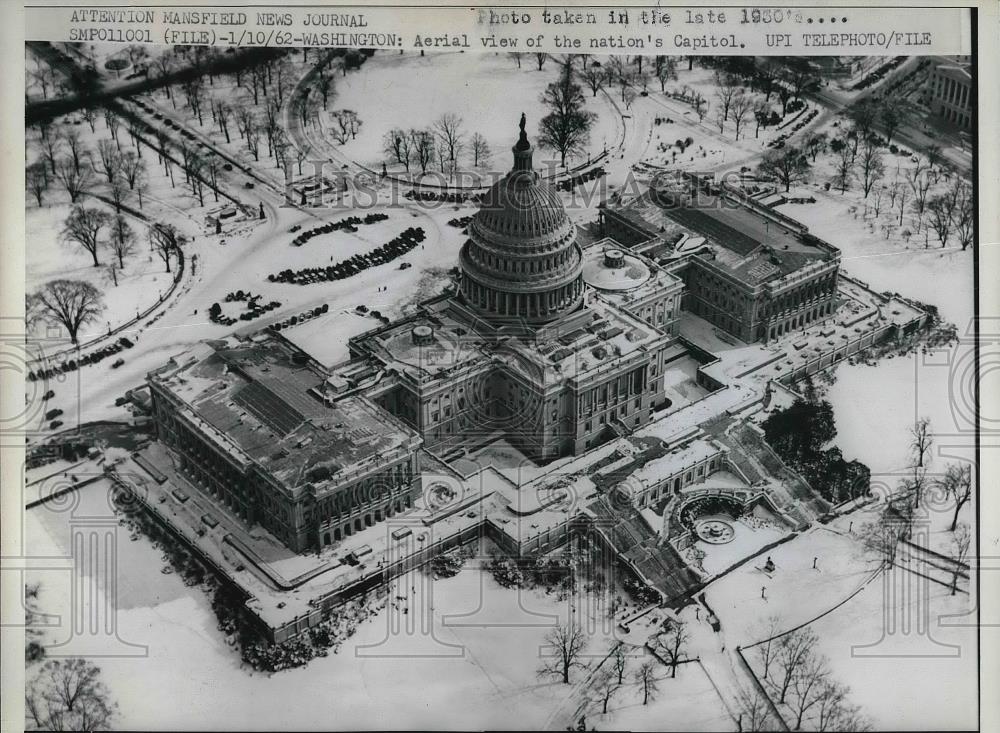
{"points": [[751, 271], [950, 89]]}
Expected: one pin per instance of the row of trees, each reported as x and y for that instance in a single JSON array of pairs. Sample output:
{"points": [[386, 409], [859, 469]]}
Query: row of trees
{"points": [[859, 159], [909, 504], [568, 646], [799, 681], [73, 304], [67, 160], [445, 141], [85, 228]]}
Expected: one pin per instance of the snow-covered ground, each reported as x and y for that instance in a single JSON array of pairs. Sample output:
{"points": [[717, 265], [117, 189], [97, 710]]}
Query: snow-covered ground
{"points": [[908, 658], [373, 682], [413, 91]]}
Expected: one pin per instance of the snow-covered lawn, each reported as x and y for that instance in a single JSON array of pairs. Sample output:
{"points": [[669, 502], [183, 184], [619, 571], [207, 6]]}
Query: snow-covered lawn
{"points": [[685, 702], [371, 683], [49, 258], [407, 91], [906, 663]]}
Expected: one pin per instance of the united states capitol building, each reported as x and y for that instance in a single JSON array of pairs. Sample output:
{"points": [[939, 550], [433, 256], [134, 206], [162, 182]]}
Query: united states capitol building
{"points": [[550, 345]]}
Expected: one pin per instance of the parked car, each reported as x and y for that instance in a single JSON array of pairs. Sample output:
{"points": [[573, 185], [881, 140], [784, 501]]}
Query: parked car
{"points": [[52, 414], [117, 363]]}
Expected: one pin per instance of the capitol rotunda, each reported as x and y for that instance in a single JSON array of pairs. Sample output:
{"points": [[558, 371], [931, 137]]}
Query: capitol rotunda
{"points": [[522, 261]]}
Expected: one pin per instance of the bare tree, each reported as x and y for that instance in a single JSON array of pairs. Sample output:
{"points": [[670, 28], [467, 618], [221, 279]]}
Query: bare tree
{"points": [[130, 164], [593, 76], [793, 651], [165, 240], [878, 194], [480, 150], [740, 107], [883, 536], [726, 86], [108, 157], [768, 649], [921, 441], [194, 93], [964, 214], [516, 55], [566, 127], [941, 208], [448, 128], [252, 135], [666, 70], [36, 180], [422, 144], [619, 661], [920, 183], [901, 194], [69, 303], [894, 110], [607, 686], [51, 148], [74, 181], [83, 227], [68, 694], [960, 543], [844, 169], [671, 644], [956, 484], [135, 130], [123, 240], [347, 127], [141, 184], [645, 677], [808, 687], [113, 122], [326, 86], [567, 644], [223, 113], [755, 713], [89, 115], [700, 105], [77, 150], [871, 166], [395, 144], [540, 59], [788, 166], [118, 190], [213, 167]]}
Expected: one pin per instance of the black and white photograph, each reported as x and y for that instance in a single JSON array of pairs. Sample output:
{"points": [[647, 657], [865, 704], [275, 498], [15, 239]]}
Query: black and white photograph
{"points": [[404, 381]]}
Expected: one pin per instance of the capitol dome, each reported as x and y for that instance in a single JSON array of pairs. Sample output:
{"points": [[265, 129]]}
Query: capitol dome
{"points": [[522, 260]]}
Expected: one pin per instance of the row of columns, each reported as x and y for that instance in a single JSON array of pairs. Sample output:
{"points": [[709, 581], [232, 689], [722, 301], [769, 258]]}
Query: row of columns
{"points": [[329, 535], [800, 320], [521, 304]]}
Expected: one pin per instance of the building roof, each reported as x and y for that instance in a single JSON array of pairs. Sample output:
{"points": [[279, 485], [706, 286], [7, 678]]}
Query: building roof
{"points": [[265, 399], [628, 282], [753, 243]]}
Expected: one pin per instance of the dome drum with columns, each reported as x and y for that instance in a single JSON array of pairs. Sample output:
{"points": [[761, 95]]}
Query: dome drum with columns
{"points": [[522, 261]]}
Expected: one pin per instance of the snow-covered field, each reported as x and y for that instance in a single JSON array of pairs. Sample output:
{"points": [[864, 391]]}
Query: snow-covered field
{"points": [[373, 682], [412, 91]]}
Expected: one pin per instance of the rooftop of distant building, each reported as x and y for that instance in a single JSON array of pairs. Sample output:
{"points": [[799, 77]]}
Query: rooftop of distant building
{"points": [[754, 243]]}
